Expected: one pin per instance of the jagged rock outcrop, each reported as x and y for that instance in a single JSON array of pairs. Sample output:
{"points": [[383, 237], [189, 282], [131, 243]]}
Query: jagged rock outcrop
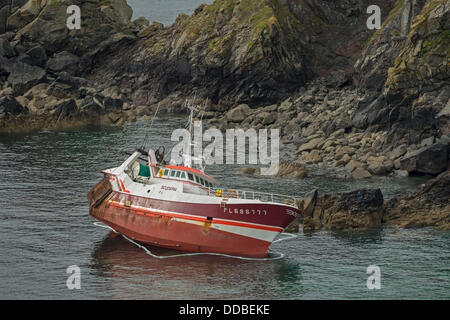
{"points": [[418, 84], [429, 159], [9, 106], [23, 76], [248, 51], [428, 207], [292, 171], [356, 210], [405, 72]]}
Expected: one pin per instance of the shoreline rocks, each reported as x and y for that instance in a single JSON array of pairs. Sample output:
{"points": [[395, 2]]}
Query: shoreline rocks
{"points": [[428, 207], [356, 210], [366, 209]]}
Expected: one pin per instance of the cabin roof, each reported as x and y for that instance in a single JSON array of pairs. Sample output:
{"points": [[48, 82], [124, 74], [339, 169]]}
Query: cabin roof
{"points": [[183, 168]]}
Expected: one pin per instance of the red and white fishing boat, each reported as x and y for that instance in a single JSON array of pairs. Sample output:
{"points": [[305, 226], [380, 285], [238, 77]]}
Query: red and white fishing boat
{"points": [[183, 208]]}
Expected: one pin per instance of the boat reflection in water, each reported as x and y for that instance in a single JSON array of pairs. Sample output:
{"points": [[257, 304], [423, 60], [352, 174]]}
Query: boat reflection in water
{"points": [[130, 273]]}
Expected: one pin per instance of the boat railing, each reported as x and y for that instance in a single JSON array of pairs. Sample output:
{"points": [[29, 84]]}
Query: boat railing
{"points": [[252, 195]]}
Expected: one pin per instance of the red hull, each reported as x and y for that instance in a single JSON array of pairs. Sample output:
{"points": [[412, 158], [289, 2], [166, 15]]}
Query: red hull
{"points": [[181, 236], [194, 234]]}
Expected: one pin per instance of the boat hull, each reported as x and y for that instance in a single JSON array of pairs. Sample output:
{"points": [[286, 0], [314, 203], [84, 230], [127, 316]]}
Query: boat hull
{"points": [[151, 222]]}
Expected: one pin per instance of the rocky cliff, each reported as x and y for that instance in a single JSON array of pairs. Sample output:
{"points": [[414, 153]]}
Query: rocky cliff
{"points": [[368, 102], [42, 62], [247, 51], [405, 70]]}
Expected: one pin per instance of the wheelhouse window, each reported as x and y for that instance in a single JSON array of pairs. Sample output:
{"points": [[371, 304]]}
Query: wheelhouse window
{"points": [[197, 179], [191, 177], [183, 175], [166, 172], [178, 174], [172, 173]]}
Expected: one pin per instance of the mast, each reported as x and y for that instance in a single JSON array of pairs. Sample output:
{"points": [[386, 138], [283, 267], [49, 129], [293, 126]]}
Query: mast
{"points": [[190, 127]]}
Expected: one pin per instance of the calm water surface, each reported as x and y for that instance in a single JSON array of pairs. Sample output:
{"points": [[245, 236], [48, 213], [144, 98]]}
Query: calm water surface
{"points": [[46, 228], [164, 11]]}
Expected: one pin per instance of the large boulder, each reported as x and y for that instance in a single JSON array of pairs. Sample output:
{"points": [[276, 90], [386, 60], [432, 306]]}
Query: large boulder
{"points": [[6, 50], [66, 84], [37, 55], [292, 170], [9, 106], [91, 106], [24, 15], [239, 113], [23, 77], [315, 143], [63, 61], [112, 104], [360, 173], [356, 210], [429, 160], [64, 109]]}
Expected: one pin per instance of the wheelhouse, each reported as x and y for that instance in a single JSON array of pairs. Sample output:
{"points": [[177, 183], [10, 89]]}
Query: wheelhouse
{"points": [[177, 173]]}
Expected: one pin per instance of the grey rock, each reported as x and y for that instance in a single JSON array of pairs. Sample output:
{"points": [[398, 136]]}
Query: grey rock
{"points": [[10, 106], [239, 113], [269, 119], [23, 77], [271, 108], [25, 58], [73, 82], [112, 104], [427, 142], [141, 23], [444, 139], [360, 173], [401, 173], [64, 109], [372, 113], [6, 50], [59, 90], [91, 106], [398, 152], [309, 201], [37, 55], [63, 61], [4, 13], [429, 160]]}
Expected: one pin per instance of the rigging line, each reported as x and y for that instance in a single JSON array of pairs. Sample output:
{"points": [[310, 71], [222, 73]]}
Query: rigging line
{"points": [[147, 251], [151, 124]]}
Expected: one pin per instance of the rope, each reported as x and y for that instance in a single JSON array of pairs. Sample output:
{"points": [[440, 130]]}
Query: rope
{"points": [[147, 251], [144, 143]]}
